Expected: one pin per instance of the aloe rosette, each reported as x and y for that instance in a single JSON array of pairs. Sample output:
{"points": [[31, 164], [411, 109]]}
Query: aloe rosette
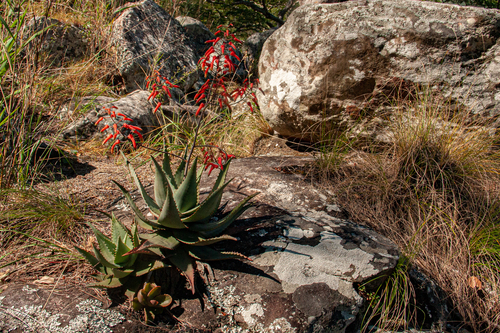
{"points": [[184, 226], [116, 267]]}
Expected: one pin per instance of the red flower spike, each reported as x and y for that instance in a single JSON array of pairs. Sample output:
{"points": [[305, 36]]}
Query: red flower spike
{"points": [[211, 169], [134, 128], [206, 71], [114, 107], [250, 105], [222, 47], [114, 145], [175, 86], [199, 108], [220, 104], [104, 128], [157, 107], [151, 95], [232, 45], [112, 114], [131, 138], [234, 55], [217, 32], [210, 41], [200, 98], [220, 26], [147, 84], [219, 161], [107, 139], [99, 120], [138, 134], [237, 40], [230, 156], [168, 92]]}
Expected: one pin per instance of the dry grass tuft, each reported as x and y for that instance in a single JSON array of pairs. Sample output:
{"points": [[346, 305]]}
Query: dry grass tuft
{"points": [[435, 192]]}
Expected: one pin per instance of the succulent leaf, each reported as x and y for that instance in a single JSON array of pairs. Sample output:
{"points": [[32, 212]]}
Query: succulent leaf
{"points": [[144, 267], [168, 171], [110, 282], [118, 230], [121, 250], [164, 300], [191, 238], [87, 255], [169, 216], [107, 248], [205, 253], [208, 207], [212, 229], [186, 196], [149, 201], [132, 204], [121, 273], [153, 292], [160, 186], [184, 263], [103, 260], [221, 178]]}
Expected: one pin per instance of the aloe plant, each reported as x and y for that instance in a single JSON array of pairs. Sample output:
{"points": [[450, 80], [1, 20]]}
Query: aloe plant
{"points": [[151, 301], [112, 260], [184, 226]]}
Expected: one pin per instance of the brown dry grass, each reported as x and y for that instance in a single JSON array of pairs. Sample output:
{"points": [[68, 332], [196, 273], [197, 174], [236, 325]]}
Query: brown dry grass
{"points": [[435, 192]]}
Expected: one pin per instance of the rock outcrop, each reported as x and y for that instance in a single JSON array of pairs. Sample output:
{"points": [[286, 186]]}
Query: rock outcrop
{"points": [[198, 33], [331, 60], [252, 48], [57, 42], [147, 38]]}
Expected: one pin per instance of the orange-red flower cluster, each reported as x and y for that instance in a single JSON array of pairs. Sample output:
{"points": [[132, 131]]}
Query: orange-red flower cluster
{"points": [[160, 85], [120, 127]]}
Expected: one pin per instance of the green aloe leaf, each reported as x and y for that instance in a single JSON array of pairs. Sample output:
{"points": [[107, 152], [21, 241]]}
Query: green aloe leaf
{"points": [[121, 250], [135, 236], [191, 238], [169, 216], [215, 228], [110, 282], [103, 260], [145, 266], [121, 273], [168, 171], [87, 255], [149, 201], [132, 204], [179, 174], [184, 263], [208, 207], [156, 241], [221, 178], [205, 253], [160, 186], [186, 196], [119, 231], [106, 246]]}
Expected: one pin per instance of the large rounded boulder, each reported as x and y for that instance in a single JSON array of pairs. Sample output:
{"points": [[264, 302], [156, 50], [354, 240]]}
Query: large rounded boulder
{"points": [[330, 61]]}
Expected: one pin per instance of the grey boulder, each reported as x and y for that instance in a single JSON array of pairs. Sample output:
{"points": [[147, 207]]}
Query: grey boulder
{"points": [[147, 38], [330, 61]]}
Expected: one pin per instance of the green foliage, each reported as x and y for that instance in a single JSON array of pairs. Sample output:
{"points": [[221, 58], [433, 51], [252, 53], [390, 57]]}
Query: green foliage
{"points": [[151, 301], [184, 225], [112, 260], [246, 16]]}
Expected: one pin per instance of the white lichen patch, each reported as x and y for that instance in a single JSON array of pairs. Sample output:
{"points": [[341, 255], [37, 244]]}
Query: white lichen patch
{"points": [[287, 88], [251, 312], [326, 262], [33, 318]]}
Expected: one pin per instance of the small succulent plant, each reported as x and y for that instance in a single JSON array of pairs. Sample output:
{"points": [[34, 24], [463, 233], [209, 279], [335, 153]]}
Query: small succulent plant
{"points": [[116, 267], [184, 226], [151, 301]]}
